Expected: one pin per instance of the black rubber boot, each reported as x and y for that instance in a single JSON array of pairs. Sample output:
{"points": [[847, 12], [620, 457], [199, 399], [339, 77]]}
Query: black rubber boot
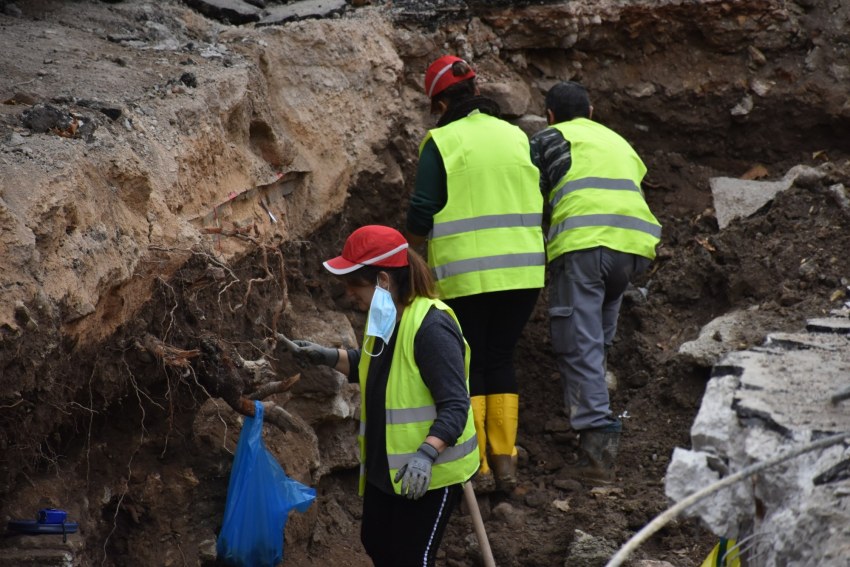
{"points": [[483, 483], [598, 455], [504, 469]]}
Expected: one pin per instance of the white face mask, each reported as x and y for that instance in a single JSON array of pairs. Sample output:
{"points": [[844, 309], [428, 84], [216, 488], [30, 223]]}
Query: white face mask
{"points": [[382, 315]]}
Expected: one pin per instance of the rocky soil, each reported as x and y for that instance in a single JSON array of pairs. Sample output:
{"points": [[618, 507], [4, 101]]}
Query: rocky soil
{"points": [[165, 173]]}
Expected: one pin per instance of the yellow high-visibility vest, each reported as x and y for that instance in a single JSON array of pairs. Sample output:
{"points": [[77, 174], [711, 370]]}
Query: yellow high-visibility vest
{"points": [[410, 408], [724, 554], [488, 237], [599, 202]]}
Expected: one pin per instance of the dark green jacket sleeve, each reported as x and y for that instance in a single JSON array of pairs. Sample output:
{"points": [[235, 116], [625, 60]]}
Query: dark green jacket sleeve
{"points": [[430, 194]]}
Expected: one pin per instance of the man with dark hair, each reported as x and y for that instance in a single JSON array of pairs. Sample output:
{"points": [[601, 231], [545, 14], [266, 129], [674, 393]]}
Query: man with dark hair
{"points": [[568, 100], [601, 233]]}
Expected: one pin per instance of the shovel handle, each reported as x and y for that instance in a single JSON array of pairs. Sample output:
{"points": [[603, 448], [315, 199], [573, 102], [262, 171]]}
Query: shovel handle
{"points": [[478, 524]]}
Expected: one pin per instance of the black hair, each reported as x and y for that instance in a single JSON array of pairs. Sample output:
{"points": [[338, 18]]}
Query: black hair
{"points": [[568, 100]]}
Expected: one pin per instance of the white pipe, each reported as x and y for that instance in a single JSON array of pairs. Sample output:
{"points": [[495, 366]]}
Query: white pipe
{"points": [[680, 506]]}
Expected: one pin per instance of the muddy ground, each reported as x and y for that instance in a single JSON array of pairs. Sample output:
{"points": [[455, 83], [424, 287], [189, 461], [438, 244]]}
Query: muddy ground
{"points": [[140, 452]]}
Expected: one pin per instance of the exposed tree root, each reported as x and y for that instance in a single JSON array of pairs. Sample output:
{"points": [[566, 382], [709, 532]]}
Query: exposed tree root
{"points": [[271, 388], [169, 355], [225, 376]]}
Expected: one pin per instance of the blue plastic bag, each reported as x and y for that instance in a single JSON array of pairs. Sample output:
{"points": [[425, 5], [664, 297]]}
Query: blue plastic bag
{"points": [[259, 498]]}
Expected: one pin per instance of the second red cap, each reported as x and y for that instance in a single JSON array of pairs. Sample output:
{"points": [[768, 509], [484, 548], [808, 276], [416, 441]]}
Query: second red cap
{"points": [[439, 75]]}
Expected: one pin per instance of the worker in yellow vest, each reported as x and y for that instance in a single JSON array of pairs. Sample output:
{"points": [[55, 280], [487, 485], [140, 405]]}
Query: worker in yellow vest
{"points": [[601, 233], [417, 438], [478, 203]]}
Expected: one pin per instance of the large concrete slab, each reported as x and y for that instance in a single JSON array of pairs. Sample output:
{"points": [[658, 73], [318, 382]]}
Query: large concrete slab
{"points": [[761, 403], [789, 382]]}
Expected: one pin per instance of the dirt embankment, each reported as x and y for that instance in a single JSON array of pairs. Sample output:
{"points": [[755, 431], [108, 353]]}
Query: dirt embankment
{"points": [[226, 162]]}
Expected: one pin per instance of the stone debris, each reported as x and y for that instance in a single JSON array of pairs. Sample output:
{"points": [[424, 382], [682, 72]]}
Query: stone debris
{"points": [[513, 97], [589, 551], [240, 12], [236, 12], [739, 198], [562, 505], [760, 403], [840, 194], [44, 118], [723, 334], [828, 325], [302, 10]]}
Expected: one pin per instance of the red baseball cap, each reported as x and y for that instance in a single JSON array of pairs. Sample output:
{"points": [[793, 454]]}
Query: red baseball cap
{"points": [[439, 75], [370, 245]]}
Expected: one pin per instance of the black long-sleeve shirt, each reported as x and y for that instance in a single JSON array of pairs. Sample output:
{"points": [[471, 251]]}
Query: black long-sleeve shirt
{"points": [[438, 349]]}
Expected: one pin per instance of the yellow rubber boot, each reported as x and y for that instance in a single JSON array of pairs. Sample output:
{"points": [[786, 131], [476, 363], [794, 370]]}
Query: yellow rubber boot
{"points": [[502, 421], [483, 481]]}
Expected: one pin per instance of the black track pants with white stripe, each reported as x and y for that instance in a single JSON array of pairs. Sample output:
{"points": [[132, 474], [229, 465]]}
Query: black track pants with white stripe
{"points": [[398, 532]]}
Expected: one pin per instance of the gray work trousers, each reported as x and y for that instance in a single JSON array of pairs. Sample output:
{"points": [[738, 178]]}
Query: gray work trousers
{"points": [[585, 293]]}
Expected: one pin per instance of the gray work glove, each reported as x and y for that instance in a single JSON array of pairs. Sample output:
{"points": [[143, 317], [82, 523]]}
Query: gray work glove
{"points": [[315, 354], [415, 475]]}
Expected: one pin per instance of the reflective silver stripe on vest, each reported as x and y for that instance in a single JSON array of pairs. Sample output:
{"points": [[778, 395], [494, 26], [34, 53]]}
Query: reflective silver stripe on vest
{"points": [[511, 220], [448, 455], [411, 415], [594, 183], [615, 221], [362, 434], [490, 263]]}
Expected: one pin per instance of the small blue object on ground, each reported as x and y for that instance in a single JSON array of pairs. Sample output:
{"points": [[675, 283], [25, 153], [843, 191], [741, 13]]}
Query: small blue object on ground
{"points": [[49, 521]]}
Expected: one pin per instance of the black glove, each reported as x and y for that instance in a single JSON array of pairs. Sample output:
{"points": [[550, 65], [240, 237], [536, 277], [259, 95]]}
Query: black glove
{"points": [[315, 354], [415, 475]]}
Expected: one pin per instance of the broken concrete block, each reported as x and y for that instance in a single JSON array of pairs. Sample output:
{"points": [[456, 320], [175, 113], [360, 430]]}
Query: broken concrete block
{"points": [[763, 402], [234, 12], [722, 512], [837, 325], [303, 10], [721, 335], [716, 428], [739, 198]]}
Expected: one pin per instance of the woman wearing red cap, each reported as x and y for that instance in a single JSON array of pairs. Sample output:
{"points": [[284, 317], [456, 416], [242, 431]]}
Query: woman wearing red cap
{"points": [[417, 437], [477, 199]]}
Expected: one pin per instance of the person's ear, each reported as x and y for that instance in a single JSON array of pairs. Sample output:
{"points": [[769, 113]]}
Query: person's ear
{"points": [[440, 107], [384, 280], [550, 117]]}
